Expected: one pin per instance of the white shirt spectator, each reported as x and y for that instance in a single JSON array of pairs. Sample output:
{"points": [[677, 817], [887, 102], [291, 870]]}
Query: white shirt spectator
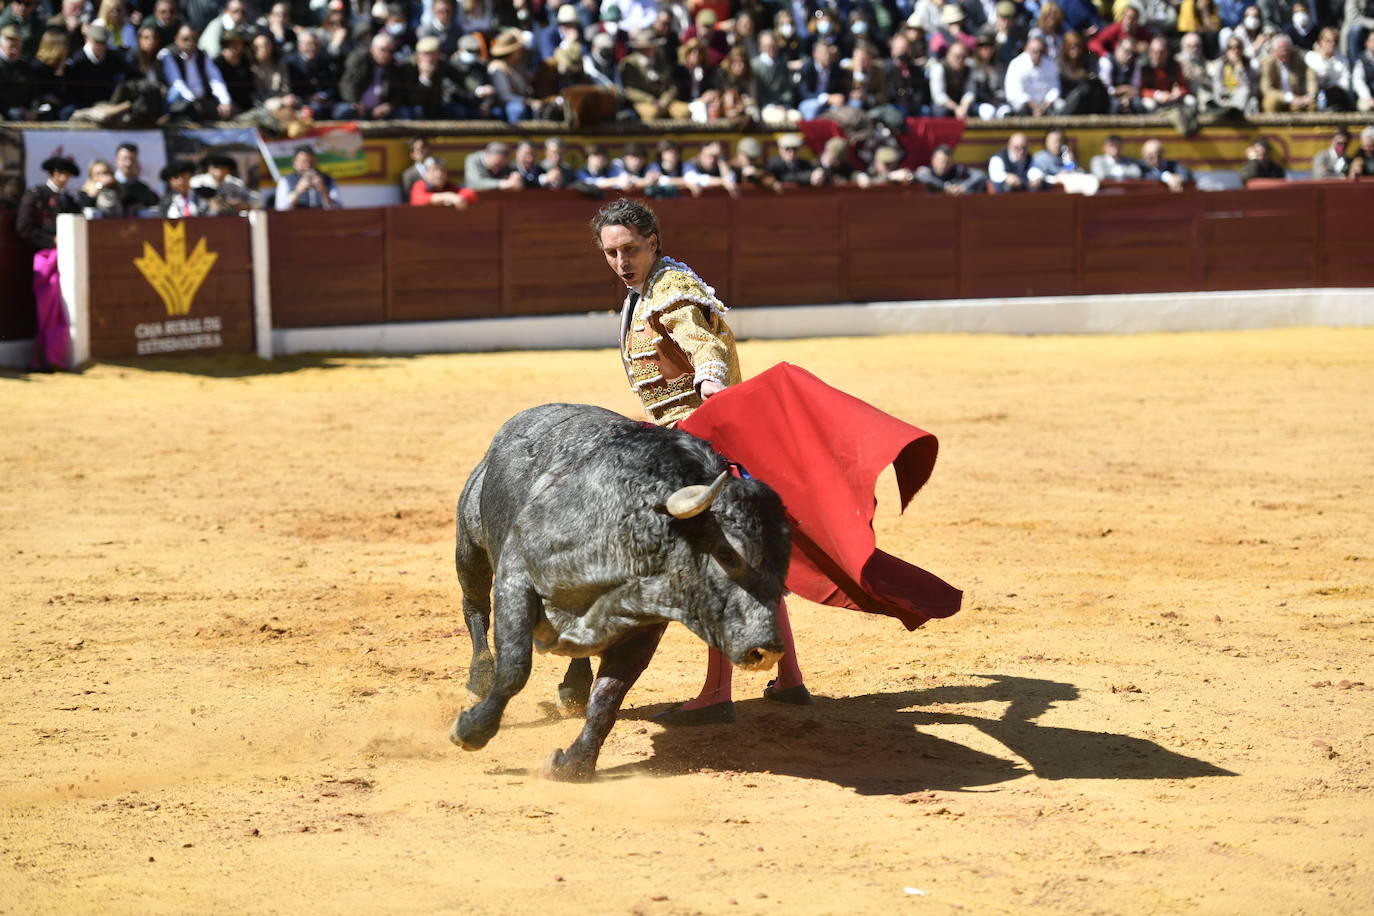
{"points": [[1028, 83], [1330, 71], [182, 75]]}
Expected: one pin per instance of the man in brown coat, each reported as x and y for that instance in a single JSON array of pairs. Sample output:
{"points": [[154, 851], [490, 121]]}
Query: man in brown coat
{"points": [[1286, 84]]}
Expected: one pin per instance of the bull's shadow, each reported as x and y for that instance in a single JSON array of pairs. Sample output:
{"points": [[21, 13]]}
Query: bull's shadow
{"points": [[874, 744]]}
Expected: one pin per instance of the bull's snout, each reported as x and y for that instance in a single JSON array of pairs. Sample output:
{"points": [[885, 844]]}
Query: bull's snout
{"points": [[760, 658]]}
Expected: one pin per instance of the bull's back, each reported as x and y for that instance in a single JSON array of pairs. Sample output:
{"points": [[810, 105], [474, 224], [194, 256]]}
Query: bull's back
{"points": [[527, 447]]}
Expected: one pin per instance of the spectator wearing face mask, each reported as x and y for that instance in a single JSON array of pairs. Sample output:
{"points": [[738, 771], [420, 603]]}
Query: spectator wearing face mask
{"points": [[1301, 26], [1334, 161], [472, 72], [1253, 34]]}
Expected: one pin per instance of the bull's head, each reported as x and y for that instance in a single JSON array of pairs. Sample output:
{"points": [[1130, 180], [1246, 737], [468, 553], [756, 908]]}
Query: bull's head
{"points": [[740, 542]]}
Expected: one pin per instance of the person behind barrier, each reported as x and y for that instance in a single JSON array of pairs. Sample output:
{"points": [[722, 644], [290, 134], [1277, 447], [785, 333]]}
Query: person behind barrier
{"points": [[134, 194], [788, 166], [236, 69], [93, 72], [307, 188], [221, 183], [419, 152], [436, 190], [36, 224], [490, 170], [100, 196], [1112, 165], [1010, 169], [180, 201], [1155, 166], [313, 75], [1259, 162], [945, 176], [1362, 163]]}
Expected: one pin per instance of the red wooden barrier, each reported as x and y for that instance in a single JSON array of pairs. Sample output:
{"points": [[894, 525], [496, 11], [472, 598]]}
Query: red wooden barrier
{"points": [[328, 267], [16, 282]]}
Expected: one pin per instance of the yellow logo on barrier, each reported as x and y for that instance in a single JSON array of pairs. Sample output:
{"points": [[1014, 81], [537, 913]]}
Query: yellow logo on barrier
{"points": [[177, 278]]}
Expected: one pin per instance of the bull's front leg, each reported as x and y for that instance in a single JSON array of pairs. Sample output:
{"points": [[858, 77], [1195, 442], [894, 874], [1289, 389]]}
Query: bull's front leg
{"points": [[515, 608], [621, 666]]}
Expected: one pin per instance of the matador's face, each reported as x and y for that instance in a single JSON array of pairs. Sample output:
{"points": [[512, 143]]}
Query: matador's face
{"points": [[629, 254]]}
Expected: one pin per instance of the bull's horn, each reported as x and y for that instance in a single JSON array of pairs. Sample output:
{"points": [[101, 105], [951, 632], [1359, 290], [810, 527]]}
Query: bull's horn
{"points": [[690, 502]]}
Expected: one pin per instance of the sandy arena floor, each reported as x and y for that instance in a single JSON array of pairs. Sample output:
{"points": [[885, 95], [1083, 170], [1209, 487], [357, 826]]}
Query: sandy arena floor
{"points": [[231, 650]]}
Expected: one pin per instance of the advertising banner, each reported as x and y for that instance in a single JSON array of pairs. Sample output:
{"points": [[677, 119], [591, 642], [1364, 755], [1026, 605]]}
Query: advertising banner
{"points": [[163, 287]]}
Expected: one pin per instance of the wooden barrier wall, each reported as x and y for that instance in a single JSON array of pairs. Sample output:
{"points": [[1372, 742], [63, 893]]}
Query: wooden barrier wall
{"points": [[17, 319], [160, 287], [532, 254]]}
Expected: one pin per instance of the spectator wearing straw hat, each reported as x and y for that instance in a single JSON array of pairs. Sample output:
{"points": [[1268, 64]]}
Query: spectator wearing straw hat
{"points": [[509, 82], [433, 88], [37, 224], [887, 167]]}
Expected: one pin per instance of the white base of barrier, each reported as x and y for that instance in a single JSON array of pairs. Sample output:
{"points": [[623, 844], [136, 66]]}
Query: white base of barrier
{"points": [[1133, 314]]}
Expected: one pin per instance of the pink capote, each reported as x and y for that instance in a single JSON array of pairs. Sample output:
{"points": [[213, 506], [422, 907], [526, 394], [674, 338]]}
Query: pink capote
{"points": [[51, 342], [822, 451]]}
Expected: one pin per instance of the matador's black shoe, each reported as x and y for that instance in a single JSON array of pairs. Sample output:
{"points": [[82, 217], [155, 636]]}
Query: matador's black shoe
{"points": [[715, 714], [796, 696]]}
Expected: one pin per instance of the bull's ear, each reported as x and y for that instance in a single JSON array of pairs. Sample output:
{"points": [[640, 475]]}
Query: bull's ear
{"points": [[689, 502]]}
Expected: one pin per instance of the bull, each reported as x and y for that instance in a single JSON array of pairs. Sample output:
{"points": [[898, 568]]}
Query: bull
{"points": [[583, 533]]}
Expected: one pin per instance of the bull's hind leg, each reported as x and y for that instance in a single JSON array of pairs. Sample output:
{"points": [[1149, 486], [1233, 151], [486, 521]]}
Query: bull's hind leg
{"points": [[576, 687], [621, 666], [474, 577], [516, 607]]}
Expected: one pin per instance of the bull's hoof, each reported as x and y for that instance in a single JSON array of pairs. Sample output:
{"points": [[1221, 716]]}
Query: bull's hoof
{"points": [[572, 701], [465, 735], [559, 768]]}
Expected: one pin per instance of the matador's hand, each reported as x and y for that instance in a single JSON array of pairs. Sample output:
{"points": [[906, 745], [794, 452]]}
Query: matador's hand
{"points": [[709, 388]]}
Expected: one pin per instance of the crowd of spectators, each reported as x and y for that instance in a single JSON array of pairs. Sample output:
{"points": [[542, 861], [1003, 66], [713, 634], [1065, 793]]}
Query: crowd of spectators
{"points": [[116, 187], [761, 61]]}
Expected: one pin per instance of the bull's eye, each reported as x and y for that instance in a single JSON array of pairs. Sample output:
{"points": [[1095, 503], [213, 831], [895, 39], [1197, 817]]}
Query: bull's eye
{"points": [[730, 560]]}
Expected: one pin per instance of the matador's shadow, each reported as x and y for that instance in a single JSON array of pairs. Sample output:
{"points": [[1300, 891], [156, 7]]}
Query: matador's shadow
{"points": [[874, 743]]}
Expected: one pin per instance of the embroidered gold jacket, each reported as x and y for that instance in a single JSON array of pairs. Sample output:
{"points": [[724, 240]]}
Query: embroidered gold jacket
{"points": [[673, 339]]}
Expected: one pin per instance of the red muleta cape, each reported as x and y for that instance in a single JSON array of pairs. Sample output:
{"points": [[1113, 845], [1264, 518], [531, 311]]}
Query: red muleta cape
{"points": [[822, 451]]}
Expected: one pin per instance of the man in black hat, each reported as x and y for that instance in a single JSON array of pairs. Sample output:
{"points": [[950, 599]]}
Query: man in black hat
{"points": [[179, 201], [220, 189], [37, 224]]}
